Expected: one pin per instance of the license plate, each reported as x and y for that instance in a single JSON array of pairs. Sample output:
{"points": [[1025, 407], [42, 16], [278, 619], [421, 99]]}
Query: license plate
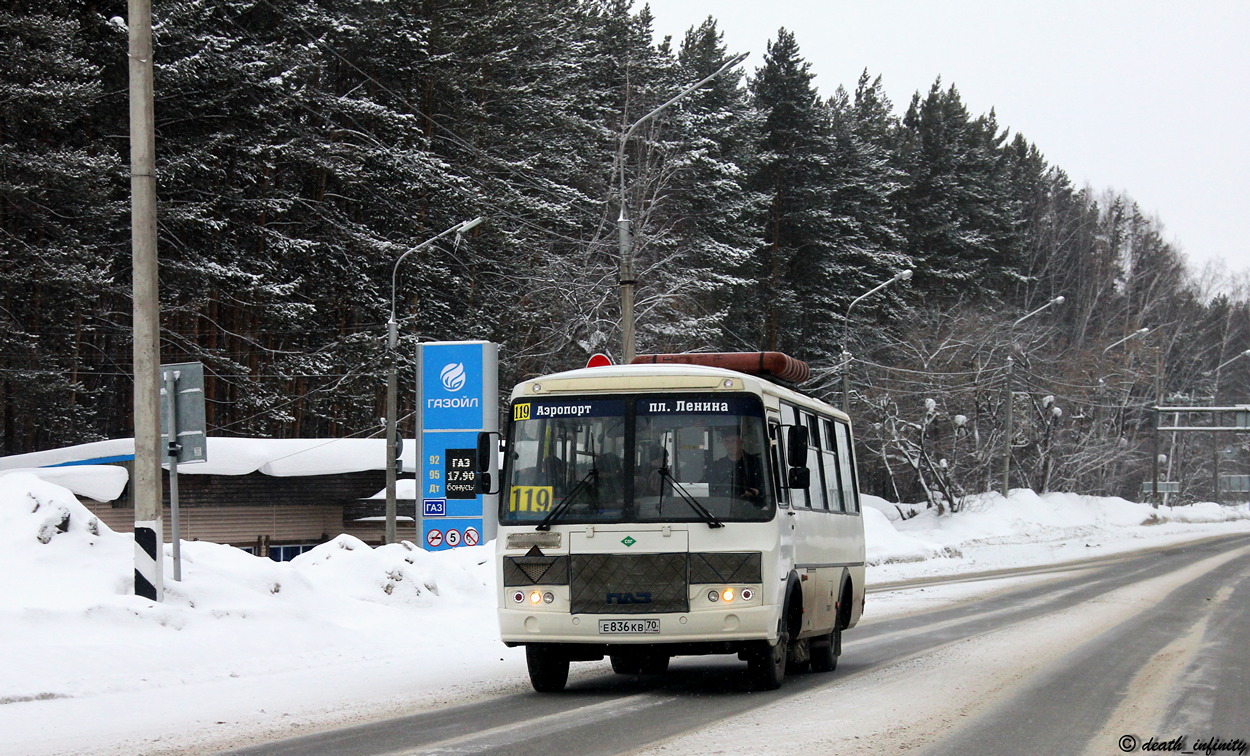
{"points": [[616, 627]]}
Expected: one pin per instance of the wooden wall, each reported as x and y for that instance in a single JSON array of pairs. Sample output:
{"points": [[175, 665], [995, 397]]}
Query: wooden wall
{"points": [[259, 510]]}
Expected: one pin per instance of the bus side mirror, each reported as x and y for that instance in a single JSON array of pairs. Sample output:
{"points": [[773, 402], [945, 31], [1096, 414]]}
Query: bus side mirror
{"points": [[484, 445], [799, 477], [796, 446], [487, 449]]}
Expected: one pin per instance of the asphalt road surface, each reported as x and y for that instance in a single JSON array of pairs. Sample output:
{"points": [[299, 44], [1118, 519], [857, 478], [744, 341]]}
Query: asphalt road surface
{"points": [[1118, 655]]}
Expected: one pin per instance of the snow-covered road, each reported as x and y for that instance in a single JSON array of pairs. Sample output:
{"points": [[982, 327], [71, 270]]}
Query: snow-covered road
{"points": [[1068, 664]]}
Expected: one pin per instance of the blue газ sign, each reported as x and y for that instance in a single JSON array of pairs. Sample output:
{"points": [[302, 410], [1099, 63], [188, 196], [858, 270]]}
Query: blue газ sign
{"points": [[457, 397]]}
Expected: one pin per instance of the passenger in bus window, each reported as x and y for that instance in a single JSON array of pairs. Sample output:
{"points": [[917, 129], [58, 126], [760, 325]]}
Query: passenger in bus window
{"points": [[550, 471], [650, 478], [738, 473]]}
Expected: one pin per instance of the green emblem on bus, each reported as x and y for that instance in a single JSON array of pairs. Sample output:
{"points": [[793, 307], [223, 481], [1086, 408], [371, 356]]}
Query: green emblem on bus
{"points": [[628, 541]]}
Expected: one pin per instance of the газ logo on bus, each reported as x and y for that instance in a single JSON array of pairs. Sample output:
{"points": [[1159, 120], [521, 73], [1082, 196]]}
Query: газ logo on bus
{"points": [[453, 376], [642, 597]]}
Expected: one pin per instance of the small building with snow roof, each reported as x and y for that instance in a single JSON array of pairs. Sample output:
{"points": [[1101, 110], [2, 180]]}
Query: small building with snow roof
{"points": [[275, 497]]}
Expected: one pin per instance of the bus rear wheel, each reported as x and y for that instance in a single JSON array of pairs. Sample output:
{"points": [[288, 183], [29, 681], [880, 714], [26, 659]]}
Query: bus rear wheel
{"points": [[548, 668], [825, 651]]}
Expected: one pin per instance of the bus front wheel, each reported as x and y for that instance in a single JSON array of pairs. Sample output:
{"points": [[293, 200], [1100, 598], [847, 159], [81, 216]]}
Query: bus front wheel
{"points": [[548, 668], [767, 665]]}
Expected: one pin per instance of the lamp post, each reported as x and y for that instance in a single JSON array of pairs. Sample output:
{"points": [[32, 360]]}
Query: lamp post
{"points": [[1113, 345], [392, 381], [1133, 335], [902, 275], [625, 235], [1009, 403]]}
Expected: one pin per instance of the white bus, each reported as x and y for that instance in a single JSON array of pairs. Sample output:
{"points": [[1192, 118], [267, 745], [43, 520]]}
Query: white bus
{"points": [[655, 510]]}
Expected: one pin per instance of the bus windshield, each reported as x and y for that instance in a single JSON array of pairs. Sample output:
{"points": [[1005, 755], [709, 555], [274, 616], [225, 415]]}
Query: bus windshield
{"points": [[640, 458]]}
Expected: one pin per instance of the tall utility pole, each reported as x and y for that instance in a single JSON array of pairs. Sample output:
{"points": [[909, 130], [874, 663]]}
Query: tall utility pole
{"points": [[625, 234], [1009, 406], [149, 531]]}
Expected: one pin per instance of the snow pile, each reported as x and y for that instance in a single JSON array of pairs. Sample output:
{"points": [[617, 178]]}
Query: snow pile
{"points": [[885, 545], [51, 547], [398, 574]]}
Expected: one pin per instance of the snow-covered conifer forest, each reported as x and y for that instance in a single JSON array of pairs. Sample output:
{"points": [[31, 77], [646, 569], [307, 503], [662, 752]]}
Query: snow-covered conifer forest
{"points": [[304, 145]]}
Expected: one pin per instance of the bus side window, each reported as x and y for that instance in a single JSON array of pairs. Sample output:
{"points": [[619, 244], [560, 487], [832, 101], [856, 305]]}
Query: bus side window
{"points": [[815, 464], [846, 465], [829, 458], [776, 468], [790, 416]]}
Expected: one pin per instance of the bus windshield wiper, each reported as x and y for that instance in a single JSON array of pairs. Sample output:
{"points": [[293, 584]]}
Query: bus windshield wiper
{"points": [[582, 486], [699, 509]]}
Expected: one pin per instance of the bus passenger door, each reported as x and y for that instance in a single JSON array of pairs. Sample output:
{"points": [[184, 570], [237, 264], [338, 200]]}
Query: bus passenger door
{"points": [[785, 516]]}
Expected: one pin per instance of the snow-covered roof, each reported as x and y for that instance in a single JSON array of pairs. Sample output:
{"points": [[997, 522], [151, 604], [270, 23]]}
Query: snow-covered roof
{"points": [[288, 457], [98, 482]]}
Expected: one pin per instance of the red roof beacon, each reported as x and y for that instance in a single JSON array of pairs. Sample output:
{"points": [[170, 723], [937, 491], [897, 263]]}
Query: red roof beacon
{"points": [[599, 360]]}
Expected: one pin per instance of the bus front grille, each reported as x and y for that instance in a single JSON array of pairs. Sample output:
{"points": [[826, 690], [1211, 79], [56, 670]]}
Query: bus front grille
{"points": [[628, 583]]}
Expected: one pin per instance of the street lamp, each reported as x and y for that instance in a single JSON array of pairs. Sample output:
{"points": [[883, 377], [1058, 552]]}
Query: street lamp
{"points": [[902, 275], [1056, 301], [1009, 401], [392, 381], [1155, 437], [627, 280], [1133, 335], [1229, 362]]}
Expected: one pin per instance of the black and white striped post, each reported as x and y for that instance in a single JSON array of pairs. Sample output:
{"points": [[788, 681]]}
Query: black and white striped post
{"points": [[149, 572]]}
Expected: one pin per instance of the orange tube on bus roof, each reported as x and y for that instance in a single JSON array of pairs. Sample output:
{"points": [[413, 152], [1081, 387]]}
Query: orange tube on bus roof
{"points": [[767, 364]]}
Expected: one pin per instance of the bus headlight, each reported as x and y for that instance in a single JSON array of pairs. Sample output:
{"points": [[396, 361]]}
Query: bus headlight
{"points": [[518, 596], [536, 597], [731, 594]]}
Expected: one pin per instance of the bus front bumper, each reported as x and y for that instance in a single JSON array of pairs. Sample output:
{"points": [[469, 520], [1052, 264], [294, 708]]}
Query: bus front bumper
{"points": [[519, 626]]}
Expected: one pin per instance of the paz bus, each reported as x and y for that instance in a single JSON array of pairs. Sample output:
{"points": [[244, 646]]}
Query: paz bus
{"points": [[685, 504]]}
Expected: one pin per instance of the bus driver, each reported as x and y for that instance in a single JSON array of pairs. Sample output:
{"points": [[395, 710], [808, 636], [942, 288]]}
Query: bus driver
{"points": [[738, 473]]}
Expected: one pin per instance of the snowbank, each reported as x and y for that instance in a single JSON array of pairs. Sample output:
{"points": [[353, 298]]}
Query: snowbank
{"points": [[1025, 528]]}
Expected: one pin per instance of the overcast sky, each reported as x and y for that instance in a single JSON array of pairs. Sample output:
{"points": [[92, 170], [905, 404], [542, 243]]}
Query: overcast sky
{"points": [[1143, 96]]}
